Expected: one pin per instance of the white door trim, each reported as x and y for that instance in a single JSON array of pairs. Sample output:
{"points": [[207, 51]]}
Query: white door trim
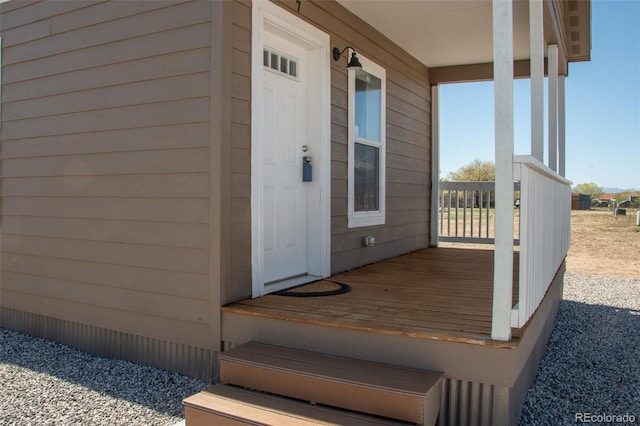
{"points": [[266, 15]]}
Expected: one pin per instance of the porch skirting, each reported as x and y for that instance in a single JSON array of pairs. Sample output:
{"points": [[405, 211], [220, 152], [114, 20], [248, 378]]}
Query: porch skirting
{"points": [[188, 360], [471, 403]]}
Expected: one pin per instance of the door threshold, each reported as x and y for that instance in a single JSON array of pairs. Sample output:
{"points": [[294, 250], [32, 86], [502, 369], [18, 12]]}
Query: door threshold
{"points": [[290, 282]]}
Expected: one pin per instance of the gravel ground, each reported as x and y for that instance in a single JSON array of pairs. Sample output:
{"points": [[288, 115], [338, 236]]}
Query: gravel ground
{"points": [[46, 383], [592, 362], [592, 365]]}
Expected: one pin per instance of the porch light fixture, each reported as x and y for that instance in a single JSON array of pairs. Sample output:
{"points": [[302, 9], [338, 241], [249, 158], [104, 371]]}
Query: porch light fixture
{"points": [[354, 63]]}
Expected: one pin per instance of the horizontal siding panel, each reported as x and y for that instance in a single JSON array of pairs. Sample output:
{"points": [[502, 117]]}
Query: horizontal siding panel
{"points": [[194, 210], [407, 189], [240, 160], [175, 112], [193, 185], [241, 185], [400, 120], [116, 278], [182, 39], [407, 163], [157, 67], [192, 160], [241, 111], [407, 177], [241, 63], [122, 140], [418, 100], [406, 217], [142, 92], [419, 152], [37, 11], [128, 322], [412, 79], [241, 15], [103, 12], [178, 259], [406, 136], [360, 256], [397, 103], [240, 136], [153, 233], [241, 87], [26, 32], [126, 28], [14, 5], [417, 202], [241, 38], [339, 188], [339, 116]]}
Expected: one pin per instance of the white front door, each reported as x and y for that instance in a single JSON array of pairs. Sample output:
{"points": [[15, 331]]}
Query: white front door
{"points": [[284, 145], [290, 119]]}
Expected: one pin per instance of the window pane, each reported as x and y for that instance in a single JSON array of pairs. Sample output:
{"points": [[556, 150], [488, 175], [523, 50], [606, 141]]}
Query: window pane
{"points": [[365, 178], [293, 69], [283, 65], [265, 58], [368, 106]]}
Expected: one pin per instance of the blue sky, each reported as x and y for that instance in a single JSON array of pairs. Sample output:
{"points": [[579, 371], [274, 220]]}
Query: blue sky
{"points": [[602, 107]]}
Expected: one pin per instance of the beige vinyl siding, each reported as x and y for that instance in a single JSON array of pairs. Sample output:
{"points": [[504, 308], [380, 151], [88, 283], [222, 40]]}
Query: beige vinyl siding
{"points": [[408, 132], [106, 142]]}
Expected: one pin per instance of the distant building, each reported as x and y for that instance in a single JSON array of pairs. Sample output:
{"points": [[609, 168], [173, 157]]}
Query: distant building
{"points": [[580, 202], [622, 196]]}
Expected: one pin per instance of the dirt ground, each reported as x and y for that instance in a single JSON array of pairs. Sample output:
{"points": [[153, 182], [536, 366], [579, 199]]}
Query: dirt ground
{"points": [[604, 244]]}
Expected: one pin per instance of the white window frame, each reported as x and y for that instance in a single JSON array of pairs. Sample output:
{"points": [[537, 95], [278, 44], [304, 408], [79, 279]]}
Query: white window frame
{"points": [[368, 218]]}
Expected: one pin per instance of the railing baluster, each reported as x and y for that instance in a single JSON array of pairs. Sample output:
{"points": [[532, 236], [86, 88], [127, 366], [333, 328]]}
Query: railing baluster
{"points": [[480, 217], [457, 203], [441, 210], [464, 215], [488, 211], [473, 202], [449, 216]]}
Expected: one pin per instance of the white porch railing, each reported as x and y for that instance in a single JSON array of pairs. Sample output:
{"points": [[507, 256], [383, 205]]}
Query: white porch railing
{"points": [[466, 213], [545, 226]]}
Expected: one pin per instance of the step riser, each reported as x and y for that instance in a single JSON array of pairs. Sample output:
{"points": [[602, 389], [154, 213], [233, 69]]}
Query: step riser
{"points": [[196, 417], [319, 390], [222, 405]]}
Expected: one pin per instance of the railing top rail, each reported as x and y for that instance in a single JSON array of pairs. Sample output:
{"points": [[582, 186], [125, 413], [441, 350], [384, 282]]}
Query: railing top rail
{"points": [[481, 186], [472, 186], [533, 163]]}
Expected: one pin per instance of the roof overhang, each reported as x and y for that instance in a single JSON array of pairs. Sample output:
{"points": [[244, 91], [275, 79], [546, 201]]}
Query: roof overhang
{"points": [[454, 37]]}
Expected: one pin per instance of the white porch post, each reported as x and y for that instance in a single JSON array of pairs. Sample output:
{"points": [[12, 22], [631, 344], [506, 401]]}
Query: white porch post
{"points": [[503, 88], [561, 127], [553, 106], [536, 48], [435, 163]]}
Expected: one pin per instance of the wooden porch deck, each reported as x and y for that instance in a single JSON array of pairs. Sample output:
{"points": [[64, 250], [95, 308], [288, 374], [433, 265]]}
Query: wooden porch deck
{"points": [[435, 293]]}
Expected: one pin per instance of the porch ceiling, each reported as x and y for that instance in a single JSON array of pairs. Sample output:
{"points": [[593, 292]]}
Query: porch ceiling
{"points": [[443, 33]]}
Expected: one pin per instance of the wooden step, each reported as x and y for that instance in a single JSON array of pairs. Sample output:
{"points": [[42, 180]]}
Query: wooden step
{"points": [[379, 389], [223, 405]]}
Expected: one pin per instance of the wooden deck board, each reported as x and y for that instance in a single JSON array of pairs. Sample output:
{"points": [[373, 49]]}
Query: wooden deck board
{"points": [[441, 294]]}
